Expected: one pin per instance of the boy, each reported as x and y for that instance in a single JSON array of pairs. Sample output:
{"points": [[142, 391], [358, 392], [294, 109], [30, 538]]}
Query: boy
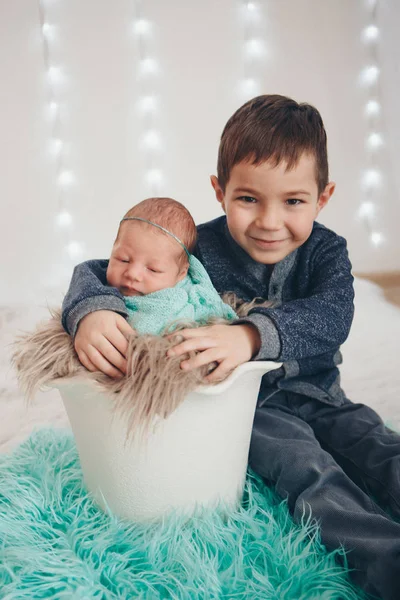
{"points": [[322, 452]]}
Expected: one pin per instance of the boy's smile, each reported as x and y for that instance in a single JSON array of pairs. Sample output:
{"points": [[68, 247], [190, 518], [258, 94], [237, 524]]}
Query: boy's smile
{"points": [[270, 211]]}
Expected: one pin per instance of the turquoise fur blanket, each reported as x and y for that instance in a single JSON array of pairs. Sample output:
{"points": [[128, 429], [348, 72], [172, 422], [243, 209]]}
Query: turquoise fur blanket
{"points": [[192, 299], [55, 543]]}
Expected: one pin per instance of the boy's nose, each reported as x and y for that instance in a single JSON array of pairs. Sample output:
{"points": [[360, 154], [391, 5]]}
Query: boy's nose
{"points": [[270, 219]]}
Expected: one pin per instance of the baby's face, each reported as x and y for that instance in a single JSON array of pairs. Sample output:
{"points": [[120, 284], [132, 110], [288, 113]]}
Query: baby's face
{"points": [[144, 261]]}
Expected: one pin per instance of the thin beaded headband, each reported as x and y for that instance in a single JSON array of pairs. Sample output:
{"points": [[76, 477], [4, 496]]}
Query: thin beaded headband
{"points": [[159, 227]]}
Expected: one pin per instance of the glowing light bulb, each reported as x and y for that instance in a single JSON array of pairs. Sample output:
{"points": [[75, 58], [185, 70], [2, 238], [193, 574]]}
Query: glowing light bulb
{"points": [[249, 86], [370, 75], [147, 104], [254, 48], [66, 178], [52, 110], [374, 141], [377, 238], [54, 75], [74, 249], [367, 209], [371, 33], [148, 66], [372, 108], [154, 176], [49, 32], [141, 27], [152, 140], [64, 219], [56, 146], [250, 11], [372, 178]]}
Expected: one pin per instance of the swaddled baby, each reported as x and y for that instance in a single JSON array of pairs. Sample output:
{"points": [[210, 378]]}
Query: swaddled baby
{"points": [[162, 285], [152, 266]]}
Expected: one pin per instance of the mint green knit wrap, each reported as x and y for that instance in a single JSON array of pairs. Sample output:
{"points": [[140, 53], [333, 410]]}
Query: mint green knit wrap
{"points": [[192, 299]]}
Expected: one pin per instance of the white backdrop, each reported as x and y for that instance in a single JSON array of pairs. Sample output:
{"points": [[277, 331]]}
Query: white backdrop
{"points": [[314, 53]]}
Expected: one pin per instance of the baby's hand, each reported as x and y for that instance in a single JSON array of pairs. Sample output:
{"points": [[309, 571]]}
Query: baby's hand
{"points": [[228, 345], [101, 342]]}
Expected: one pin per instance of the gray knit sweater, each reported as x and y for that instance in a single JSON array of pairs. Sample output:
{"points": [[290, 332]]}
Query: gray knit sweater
{"points": [[312, 290]]}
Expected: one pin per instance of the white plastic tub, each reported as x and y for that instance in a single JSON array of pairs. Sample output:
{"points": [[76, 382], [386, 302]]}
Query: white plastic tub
{"points": [[197, 456]]}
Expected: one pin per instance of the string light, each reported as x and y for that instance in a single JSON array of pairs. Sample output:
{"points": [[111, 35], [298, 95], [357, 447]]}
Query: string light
{"points": [[141, 27], [148, 102], [152, 140], [154, 176], [53, 108], [253, 50], [377, 238], [55, 147], [148, 66], [374, 141], [372, 179], [46, 29], [367, 209], [372, 108], [75, 250], [250, 87], [370, 75], [54, 75], [64, 219], [64, 176], [371, 33]]}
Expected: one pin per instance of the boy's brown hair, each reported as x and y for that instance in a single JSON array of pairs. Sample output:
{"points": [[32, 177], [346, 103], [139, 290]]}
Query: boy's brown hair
{"points": [[274, 128]]}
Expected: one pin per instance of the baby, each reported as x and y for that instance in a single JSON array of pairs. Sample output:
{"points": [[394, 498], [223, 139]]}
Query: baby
{"points": [[152, 266]]}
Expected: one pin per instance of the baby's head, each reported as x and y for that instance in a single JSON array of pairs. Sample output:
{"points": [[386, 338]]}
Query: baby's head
{"points": [[145, 258]]}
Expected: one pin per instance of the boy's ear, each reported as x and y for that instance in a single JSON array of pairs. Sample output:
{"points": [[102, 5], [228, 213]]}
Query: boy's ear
{"points": [[219, 194], [325, 196]]}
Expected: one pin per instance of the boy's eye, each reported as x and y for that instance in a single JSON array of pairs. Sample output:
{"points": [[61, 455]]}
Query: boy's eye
{"points": [[153, 270], [247, 199], [294, 201], [124, 260]]}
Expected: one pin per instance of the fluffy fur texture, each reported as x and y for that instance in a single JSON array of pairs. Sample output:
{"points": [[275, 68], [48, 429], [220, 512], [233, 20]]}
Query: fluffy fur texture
{"points": [[56, 544], [45, 354], [154, 384]]}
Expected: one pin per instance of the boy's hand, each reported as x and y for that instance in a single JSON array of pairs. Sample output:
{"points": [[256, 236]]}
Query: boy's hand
{"points": [[101, 342], [228, 345]]}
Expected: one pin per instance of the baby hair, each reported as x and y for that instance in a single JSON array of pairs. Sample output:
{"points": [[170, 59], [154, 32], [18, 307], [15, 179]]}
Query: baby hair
{"points": [[171, 215]]}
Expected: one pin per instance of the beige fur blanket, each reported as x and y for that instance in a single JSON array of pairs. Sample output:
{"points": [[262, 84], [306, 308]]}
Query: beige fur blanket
{"points": [[154, 384]]}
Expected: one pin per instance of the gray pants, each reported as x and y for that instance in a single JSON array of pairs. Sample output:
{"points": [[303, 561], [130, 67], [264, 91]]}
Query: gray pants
{"points": [[328, 459]]}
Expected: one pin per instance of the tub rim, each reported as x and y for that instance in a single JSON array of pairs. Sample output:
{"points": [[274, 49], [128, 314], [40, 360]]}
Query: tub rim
{"points": [[206, 390]]}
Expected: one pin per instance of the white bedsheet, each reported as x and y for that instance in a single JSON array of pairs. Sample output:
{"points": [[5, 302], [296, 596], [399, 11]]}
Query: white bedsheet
{"points": [[370, 371]]}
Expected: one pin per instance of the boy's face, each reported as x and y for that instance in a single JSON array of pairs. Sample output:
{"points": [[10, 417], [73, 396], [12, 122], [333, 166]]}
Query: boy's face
{"points": [[270, 211], [143, 261]]}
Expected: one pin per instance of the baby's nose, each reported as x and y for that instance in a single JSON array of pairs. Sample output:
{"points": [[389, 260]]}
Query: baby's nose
{"points": [[135, 273]]}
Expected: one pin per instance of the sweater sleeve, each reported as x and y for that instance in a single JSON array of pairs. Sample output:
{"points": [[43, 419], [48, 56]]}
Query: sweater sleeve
{"points": [[88, 291], [317, 323]]}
